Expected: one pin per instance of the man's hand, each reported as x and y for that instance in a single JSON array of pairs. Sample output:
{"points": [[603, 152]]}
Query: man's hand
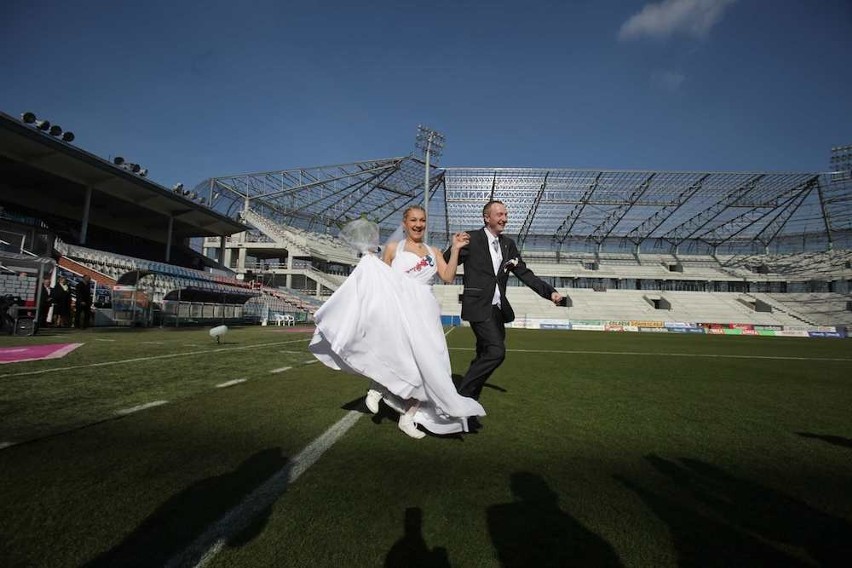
{"points": [[556, 297]]}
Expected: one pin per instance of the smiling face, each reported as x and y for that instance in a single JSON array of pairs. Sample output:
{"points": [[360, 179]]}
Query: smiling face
{"points": [[495, 217], [414, 222]]}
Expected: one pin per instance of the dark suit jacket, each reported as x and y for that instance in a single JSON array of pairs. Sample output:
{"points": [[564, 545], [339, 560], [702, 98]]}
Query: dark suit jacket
{"points": [[480, 280]]}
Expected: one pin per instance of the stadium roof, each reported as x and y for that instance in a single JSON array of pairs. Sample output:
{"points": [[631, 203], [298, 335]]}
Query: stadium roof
{"points": [[42, 174], [563, 209]]}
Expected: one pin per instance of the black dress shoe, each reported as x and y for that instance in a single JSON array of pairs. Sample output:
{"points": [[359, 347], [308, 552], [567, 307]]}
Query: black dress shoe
{"points": [[473, 425]]}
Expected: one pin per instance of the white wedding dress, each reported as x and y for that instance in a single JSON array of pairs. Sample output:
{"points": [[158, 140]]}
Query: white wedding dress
{"points": [[384, 323]]}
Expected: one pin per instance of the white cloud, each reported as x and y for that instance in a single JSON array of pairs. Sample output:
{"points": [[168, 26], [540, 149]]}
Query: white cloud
{"points": [[692, 18], [668, 80]]}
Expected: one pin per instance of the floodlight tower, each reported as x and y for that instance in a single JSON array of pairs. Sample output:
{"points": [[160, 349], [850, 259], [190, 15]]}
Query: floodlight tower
{"points": [[431, 142]]}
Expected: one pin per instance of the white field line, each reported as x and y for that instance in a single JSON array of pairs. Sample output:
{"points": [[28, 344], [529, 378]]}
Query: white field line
{"points": [[311, 362], [230, 383], [4, 445], [212, 540], [126, 411], [99, 339], [658, 354], [151, 358], [281, 370]]}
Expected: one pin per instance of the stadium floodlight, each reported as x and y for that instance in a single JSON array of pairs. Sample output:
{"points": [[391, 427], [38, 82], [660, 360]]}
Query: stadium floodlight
{"points": [[142, 172], [177, 188], [431, 142], [44, 125], [118, 160]]}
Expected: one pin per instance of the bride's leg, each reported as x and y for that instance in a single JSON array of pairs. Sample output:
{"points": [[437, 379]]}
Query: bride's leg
{"points": [[406, 420], [374, 396]]}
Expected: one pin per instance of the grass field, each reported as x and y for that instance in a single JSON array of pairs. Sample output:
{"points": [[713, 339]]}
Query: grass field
{"points": [[598, 450]]}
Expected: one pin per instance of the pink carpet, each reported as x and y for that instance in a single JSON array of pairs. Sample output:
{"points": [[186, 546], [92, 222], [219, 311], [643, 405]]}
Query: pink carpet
{"points": [[36, 352]]}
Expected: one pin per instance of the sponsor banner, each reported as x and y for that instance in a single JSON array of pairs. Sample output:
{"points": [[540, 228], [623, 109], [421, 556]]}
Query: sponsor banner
{"points": [[686, 330], [641, 324], [715, 330], [647, 329], [768, 332], [825, 334], [792, 333], [749, 331], [631, 328], [768, 328], [795, 328], [614, 327], [826, 328], [743, 326], [586, 326], [678, 324], [729, 331]]}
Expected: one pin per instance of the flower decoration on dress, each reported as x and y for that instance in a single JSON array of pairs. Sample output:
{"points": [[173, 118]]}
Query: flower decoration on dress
{"points": [[510, 264], [423, 263]]}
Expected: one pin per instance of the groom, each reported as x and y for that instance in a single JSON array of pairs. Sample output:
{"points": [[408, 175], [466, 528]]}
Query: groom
{"points": [[487, 261]]}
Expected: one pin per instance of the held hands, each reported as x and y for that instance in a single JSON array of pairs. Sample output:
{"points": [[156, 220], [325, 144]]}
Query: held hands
{"points": [[556, 297], [460, 240]]}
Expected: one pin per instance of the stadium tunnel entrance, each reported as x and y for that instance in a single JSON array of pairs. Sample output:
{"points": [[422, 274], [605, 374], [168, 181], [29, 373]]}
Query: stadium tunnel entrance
{"points": [[135, 301]]}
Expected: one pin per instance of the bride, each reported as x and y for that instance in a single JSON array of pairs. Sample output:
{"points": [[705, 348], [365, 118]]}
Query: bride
{"points": [[384, 323]]}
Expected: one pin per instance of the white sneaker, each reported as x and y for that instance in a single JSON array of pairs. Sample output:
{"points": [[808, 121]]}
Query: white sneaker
{"points": [[372, 400], [407, 425]]}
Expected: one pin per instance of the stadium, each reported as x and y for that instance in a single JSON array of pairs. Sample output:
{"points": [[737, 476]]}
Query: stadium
{"points": [[141, 441]]}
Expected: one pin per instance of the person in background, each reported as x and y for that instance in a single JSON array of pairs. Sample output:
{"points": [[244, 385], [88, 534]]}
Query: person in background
{"points": [[83, 305], [60, 296]]}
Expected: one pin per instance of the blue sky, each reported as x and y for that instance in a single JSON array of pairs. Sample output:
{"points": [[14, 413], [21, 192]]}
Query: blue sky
{"points": [[192, 90]]}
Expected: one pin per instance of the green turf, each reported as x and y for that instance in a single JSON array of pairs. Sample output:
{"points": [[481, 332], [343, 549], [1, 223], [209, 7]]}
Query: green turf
{"points": [[599, 449]]}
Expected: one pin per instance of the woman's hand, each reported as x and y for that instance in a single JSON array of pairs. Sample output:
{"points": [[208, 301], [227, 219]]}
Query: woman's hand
{"points": [[460, 240]]}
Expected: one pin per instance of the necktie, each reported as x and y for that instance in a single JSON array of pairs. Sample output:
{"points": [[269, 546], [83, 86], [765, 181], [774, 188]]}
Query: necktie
{"points": [[497, 256]]}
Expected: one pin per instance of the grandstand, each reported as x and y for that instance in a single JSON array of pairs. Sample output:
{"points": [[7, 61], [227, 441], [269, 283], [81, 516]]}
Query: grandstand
{"points": [[769, 249]]}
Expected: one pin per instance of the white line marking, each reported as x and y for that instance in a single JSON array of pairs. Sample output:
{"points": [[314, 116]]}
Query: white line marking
{"points": [[99, 339], [126, 411], [230, 383], [281, 370], [658, 354], [211, 541], [151, 358], [152, 342], [292, 352], [4, 445], [311, 362]]}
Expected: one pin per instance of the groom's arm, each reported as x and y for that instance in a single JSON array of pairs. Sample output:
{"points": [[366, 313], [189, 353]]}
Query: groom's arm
{"points": [[526, 275]]}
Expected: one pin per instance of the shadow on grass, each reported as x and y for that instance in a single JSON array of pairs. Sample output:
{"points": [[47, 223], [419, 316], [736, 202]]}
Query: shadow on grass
{"points": [[176, 524], [831, 439], [457, 379], [410, 551], [534, 531], [733, 520]]}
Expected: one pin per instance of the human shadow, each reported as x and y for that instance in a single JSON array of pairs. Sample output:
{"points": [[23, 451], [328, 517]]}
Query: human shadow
{"points": [[701, 540], [457, 379], [744, 519], [411, 551], [179, 521], [533, 530], [831, 439]]}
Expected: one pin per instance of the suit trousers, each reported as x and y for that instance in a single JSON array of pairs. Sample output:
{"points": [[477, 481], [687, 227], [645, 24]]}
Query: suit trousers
{"points": [[490, 353]]}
